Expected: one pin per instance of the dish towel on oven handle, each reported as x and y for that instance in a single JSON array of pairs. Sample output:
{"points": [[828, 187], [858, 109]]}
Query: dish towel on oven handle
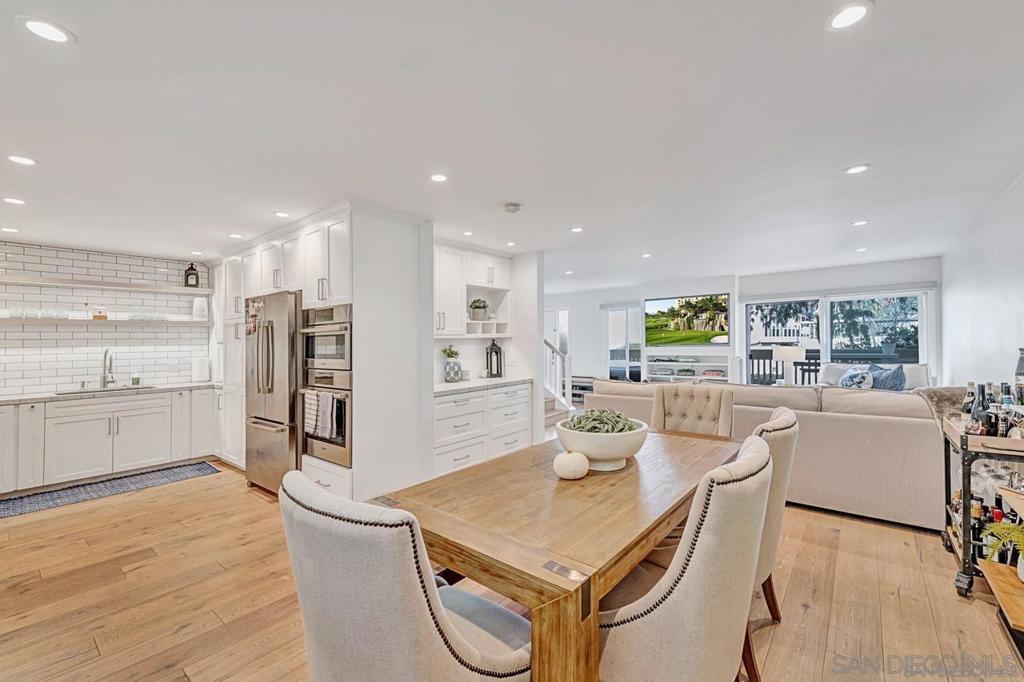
{"points": [[310, 406], [325, 416]]}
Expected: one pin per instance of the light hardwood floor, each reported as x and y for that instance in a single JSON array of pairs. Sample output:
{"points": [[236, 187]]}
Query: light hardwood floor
{"points": [[190, 581]]}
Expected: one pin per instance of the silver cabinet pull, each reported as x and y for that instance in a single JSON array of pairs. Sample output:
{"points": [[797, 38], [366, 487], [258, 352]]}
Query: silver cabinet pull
{"points": [[238, 304], [444, 320], [237, 330], [461, 426], [322, 484], [117, 425], [459, 459], [461, 401], [261, 427], [109, 427], [220, 401], [511, 414], [277, 278], [511, 442], [31, 407]]}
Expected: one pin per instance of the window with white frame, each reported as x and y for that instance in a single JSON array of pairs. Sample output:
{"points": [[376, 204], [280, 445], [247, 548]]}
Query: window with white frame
{"points": [[625, 342]]}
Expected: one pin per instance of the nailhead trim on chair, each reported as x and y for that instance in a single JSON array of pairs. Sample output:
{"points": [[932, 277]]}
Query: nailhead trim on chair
{"points": [[689, 552], [423, 587]]}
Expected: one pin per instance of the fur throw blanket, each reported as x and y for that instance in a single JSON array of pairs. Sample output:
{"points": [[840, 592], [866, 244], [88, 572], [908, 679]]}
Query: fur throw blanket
{"points": [[942, 400]]}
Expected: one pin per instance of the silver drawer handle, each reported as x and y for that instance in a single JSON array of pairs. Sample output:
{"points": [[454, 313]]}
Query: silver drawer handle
{"points": [[461, 426], [463, 400], [322, 484], [459, 459], [511, 414], [511, 442]]}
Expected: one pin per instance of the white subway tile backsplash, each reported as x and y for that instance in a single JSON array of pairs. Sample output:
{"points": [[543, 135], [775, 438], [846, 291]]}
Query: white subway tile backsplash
{"points": [[41, 357]]}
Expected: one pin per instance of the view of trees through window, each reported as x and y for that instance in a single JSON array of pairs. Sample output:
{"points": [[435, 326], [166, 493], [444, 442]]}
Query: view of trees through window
{"points": [[883, 330], [783, 323], [625, 343]]}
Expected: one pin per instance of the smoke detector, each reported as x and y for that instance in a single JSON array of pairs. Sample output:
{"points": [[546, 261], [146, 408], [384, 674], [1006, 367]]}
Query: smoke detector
{"points": [[513, 207]]}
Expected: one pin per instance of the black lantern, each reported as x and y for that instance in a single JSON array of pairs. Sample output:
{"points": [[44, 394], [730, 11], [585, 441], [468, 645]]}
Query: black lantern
{"points": [[495, 361], [191, 276]]}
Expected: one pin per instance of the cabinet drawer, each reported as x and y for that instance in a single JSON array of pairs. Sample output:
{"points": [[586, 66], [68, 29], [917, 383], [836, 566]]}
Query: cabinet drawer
{"points": [[460, 427], [73, 407], [460, 403], [508, 395], [515, 440], [332, 478], [463, 454], [503, 416]]}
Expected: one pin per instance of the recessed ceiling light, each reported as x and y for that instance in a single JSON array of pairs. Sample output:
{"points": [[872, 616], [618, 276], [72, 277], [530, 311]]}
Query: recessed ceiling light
{"points": [[510, 244], [234, 235], [47, 29], [860, 223], [282, 214], [8, 229], [849, 14], [568, 272], [645, 255], [468, 233], [22, 160], [861, 249], [576, 229], [197, 253], [16, 202], [858, 169], [439, 177]]}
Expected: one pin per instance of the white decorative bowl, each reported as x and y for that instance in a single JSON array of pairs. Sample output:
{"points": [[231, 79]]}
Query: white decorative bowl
{"points": [[606, 451]]}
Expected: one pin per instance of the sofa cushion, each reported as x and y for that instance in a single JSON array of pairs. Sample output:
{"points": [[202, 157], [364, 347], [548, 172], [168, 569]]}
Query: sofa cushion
{"points": [[624, 388], [917, 375], [874, 403], [794, 397], [857, 378]]}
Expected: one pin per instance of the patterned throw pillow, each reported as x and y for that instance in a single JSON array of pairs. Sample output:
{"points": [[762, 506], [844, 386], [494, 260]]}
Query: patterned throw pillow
{"points": [[894, 379], [855, 377]]}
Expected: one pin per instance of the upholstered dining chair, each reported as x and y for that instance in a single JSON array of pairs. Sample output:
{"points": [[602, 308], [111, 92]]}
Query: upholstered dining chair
{"points": [[694, 408], [689, 625], [371, 609], [780, 432]]}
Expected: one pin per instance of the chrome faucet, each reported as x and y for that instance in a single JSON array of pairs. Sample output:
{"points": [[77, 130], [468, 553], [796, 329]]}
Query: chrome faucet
{"points": [[107, 376]]}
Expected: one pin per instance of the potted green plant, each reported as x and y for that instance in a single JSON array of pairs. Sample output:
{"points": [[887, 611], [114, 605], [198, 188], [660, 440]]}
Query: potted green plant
{"points": [[1005, 535], [452, 366], [478, 310]]}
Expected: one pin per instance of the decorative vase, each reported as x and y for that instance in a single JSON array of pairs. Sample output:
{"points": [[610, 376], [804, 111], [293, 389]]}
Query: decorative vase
{"points": [[1020, 569], [478, 314], [452, 371]]}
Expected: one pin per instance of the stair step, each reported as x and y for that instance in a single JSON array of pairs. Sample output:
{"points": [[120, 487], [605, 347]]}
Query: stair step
{"points": [[552, 417]]}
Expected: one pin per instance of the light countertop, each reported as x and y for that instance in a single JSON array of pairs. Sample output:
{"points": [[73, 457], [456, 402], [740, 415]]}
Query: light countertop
{"points": [[476, 385], [51, 397]]}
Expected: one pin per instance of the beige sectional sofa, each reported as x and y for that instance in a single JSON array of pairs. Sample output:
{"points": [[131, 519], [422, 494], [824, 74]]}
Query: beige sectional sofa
{"points": [[872, 453]]}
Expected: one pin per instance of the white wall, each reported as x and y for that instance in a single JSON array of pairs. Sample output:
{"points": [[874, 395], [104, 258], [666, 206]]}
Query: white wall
{"points": [[847, 278], [983, 295]]}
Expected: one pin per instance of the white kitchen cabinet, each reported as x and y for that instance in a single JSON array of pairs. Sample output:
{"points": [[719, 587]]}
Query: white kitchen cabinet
{"points": [[233, 429], [204, 423], [8, 448], [485, 270], [251, 275], [339, 260], [234, 302], [459, 455], [293, 265], [31, 432], [181, 425], [487, 422], [314, 250], [78, 446], [504, 443], [332, 478], [449, 291], [217, 302], [271, 277], [234, 355], [142, 438]]}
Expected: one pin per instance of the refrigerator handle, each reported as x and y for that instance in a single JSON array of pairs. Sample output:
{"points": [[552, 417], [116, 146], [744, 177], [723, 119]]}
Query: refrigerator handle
{"points": [[258, 359], [269, 350]]}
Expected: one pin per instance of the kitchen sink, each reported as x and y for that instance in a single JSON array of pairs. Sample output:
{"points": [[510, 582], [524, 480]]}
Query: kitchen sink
{"points": [[109, 389]]}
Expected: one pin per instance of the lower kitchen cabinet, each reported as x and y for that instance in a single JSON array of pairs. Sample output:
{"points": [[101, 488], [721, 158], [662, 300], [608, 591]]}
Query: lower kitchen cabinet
{"points": [[31, 435], [472, 426], [8, 448], [78, 446], [142, 438], [204, 423], [181, 425], [334, 479], [233, 428]]}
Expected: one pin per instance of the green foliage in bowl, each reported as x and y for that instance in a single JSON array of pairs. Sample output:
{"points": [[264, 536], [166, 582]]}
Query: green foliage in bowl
{"points": [[601, 421]]}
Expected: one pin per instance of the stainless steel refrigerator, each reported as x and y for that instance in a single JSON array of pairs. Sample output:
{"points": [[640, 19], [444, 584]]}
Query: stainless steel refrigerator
{"points": [[271, 390]]}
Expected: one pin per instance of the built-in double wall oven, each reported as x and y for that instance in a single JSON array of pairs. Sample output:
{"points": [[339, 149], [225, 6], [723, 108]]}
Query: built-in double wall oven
{"points": [[327, 383]]}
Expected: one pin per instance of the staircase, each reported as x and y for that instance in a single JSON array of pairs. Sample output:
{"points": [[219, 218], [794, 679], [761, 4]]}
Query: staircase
{"points": [[554, 412]]}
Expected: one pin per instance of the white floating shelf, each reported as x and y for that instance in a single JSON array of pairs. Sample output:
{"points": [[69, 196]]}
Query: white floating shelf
{"points": [[111, 323], [101, 284]]}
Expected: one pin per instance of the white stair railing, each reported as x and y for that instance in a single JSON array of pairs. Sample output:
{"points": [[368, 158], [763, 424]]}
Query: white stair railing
{"points": [[558, 374]]}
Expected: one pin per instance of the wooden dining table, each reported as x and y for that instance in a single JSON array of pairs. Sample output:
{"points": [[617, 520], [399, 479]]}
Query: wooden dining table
{"points": [[558, 546]]}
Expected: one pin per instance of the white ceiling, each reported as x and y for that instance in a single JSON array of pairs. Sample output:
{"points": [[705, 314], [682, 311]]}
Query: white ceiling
{"points": [[711, 134]]}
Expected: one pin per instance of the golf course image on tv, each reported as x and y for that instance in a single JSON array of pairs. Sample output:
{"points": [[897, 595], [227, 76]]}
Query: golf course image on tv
{"points": [[687, 320]]}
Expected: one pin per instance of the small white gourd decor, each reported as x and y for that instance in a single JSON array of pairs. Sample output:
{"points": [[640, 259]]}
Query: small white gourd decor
{"points": [[571, 465]]}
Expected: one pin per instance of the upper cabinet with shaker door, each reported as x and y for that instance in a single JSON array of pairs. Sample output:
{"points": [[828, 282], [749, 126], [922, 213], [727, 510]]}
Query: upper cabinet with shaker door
{"points": [[449, 291], [314, 249], [339, 260], [484, 270], [251, 275], [271, 273], [292, 263], [234, 302]]}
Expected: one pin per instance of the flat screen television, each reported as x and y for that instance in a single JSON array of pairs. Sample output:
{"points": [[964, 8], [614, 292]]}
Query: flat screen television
{"points": [[687, 321]]}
